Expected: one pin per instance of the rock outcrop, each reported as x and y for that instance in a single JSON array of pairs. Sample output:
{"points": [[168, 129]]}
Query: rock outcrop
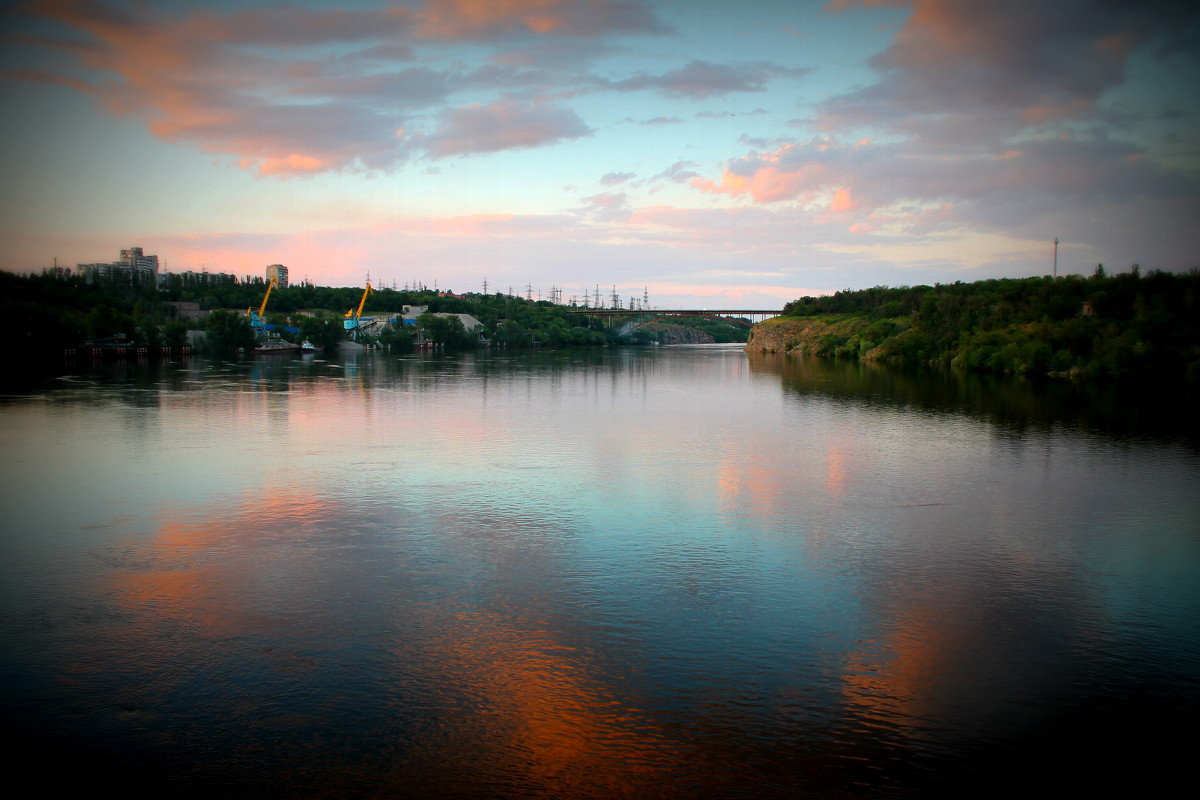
{"points": [[801, 335], [677, 334]]}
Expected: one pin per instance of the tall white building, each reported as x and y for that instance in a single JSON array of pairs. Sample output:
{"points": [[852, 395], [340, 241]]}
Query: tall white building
{"points": [[279, 273], [133, 258], [133, 261]]}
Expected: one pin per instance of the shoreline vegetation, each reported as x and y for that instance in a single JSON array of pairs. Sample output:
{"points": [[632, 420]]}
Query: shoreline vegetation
{"points": [[44, 316], [1116, 327], [1119, 327]]}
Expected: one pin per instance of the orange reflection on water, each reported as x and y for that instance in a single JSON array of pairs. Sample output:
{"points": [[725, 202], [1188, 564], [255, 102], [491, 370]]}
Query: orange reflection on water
{"points": [[753, 484], [198, 566], [835, 470], [551, 720], [895, 681]]}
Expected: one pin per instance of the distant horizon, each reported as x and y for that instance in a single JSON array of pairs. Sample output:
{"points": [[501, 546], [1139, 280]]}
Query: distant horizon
{"points": [[519, 292], [706, 153]]}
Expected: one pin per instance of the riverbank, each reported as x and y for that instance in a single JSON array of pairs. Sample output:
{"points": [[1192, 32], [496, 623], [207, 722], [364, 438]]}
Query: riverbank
{"points": [[1126, 326]]}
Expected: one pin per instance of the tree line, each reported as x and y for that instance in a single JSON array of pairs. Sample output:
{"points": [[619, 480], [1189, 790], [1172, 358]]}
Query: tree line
{"points": [[1110, 326], [55, 310]]}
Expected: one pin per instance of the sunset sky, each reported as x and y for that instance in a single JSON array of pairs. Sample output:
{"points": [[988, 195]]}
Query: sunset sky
{"points": [[709, 153]]}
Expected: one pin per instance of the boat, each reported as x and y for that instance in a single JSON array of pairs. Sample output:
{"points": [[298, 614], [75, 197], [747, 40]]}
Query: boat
{"points": [[274, 347]]}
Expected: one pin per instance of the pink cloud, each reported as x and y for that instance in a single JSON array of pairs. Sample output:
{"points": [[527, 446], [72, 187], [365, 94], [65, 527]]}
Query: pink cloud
{"points": [[284, 26], [476, 19], [788, 173], [842, 202], [767, 184], [192, 79], [1085, 188], [291, 164], [261, 86]]}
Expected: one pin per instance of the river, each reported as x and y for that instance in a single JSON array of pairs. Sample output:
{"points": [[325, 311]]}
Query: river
{"points": [[679, 572]]}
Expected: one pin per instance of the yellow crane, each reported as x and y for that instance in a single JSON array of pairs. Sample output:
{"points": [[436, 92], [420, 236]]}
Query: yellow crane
{"points": [[356, 313], [256, 320], [353, 322]]}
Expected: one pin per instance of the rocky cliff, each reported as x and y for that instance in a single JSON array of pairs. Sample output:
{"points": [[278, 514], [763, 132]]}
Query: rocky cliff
{"points": [[677, 334], [799, 335]]}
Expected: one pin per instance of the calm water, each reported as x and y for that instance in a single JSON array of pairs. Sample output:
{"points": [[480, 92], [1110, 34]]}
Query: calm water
{"points": [[668, 572]]}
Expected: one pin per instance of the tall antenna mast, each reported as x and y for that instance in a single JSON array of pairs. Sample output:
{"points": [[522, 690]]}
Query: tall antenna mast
{"points": [[1055, 256]]}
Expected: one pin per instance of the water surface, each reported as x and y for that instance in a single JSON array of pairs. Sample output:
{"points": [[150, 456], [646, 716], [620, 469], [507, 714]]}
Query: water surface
{"points": [[660, 572]]}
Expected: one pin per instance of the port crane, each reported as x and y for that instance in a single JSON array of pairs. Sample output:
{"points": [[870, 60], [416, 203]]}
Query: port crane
{"points": [[354, 323], [256, 318]]}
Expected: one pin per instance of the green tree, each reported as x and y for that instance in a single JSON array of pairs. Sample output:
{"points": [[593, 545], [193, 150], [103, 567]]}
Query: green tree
{"points": [[175, 334], [512, 334], [324, 332], [397, 338], [226, 333], [447, 331]]}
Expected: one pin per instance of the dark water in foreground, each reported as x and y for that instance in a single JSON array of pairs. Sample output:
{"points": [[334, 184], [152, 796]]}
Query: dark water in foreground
{"points": [[669, 572]]}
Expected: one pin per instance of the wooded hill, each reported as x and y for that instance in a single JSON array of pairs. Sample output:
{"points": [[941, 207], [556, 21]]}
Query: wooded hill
{"points": [[1102, 326], [44, 314]]}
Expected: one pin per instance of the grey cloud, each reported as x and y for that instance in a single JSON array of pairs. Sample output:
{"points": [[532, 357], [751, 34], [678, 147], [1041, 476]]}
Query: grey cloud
{"points": [[615, 178], [979, 71], [679, 172], [412, 88], [606, 207], [504, 125], [289, 26], [701, 79], [727, 114], [383, 52], [228, 82]]}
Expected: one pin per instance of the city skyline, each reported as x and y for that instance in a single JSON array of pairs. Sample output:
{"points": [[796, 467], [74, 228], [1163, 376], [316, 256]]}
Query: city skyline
{"points": [[704, 153]]}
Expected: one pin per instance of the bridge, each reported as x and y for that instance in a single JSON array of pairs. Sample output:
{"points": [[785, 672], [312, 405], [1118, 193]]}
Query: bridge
{"points": [[630, 319], [754, 315]]}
